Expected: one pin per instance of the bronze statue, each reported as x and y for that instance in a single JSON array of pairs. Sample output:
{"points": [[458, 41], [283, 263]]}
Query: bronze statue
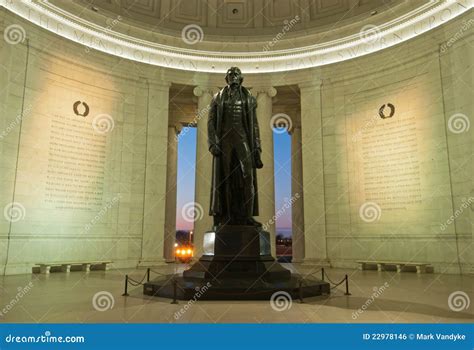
{"points": [[234, 141], [237, 250]]}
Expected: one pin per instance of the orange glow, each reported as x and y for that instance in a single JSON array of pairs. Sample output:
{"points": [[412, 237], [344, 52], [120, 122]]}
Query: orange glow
{"points": [[184, 252]]}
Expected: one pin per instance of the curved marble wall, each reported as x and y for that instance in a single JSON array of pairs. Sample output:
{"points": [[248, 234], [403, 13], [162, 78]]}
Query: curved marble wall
{"points": [[425, 214]]}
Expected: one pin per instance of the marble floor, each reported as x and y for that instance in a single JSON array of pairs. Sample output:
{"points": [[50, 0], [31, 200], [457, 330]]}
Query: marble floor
{"points": [[95, 297]]}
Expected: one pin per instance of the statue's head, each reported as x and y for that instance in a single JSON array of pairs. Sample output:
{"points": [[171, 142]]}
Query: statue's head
{"points": [[234, 76]]}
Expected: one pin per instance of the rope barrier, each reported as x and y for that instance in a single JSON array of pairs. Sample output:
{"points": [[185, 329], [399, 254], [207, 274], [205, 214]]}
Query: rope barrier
{"points": [[324, 274], [335, 284], [135, 283], [345, 279]]}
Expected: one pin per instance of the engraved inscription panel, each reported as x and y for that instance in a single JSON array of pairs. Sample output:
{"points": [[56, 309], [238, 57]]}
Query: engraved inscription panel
{"points": [[75, 173]]}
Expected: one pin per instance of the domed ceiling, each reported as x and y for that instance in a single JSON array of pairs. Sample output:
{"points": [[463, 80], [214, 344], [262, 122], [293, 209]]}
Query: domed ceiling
{"points": [[239, 18], [260, 36]]}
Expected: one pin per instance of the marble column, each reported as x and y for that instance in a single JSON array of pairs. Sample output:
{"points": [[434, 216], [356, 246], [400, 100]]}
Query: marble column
{"points": [[152, 250], [297, 210], [266, 175], [313, 175], [171, 191], [202, 221]]}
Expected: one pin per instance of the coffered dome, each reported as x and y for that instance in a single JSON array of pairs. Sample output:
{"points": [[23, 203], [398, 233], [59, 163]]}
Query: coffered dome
{"points": [[241, 18]]}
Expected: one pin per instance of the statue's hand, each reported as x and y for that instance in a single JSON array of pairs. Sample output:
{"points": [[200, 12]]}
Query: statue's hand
{"points": [[258, 161], [215, 150]]}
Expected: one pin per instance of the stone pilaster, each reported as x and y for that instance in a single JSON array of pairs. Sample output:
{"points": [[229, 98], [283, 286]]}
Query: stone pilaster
{"points": [[297, 211], [171, 192], [203, 222], [266, 175], [313, 175], [152, 251]]}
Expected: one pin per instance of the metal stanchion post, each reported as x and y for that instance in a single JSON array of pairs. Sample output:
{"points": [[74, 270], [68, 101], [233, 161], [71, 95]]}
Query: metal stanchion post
{"points": [[300, 290], [322, 273], [175, 286], [125, 293], [347, 286], [148, 274]]}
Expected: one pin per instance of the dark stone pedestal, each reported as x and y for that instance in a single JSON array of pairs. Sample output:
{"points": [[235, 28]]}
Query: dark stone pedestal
{"points": [[236, 264]]}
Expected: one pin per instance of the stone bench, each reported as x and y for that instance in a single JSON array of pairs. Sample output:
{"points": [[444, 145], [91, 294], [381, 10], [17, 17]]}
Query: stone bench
{"points": [[45, 268], [420, 267]]}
